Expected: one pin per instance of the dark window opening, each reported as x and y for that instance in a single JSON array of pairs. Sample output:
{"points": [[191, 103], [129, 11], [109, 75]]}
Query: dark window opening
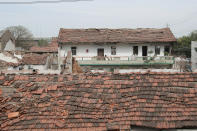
{"points": [[144, 50], [167, 50], [135, 50], [113, 50], [157, 50], [74, 50]]}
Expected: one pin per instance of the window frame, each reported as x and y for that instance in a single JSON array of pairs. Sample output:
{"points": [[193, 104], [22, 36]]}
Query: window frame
{"points": [[137, 50], [113, 50], [74, 50], [157, 50]]}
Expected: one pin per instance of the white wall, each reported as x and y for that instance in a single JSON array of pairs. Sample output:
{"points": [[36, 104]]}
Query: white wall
{"points": [[37, 67], [194, 55], [18, 56], [10, 46], [121, 49], [3, 57]]}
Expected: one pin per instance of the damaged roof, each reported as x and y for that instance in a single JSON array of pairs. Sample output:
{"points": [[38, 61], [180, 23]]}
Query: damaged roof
{"points": [[5, 63], [51, 48], [9, 59], [98, 101], [140, 35], [34, 59]]}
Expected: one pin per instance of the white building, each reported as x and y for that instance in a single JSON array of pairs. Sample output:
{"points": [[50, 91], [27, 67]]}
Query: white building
{"points": [[194, 55], [115, 47]]}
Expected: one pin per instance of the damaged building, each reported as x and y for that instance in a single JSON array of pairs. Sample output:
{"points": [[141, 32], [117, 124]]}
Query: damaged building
{"points": [[7, 41]]}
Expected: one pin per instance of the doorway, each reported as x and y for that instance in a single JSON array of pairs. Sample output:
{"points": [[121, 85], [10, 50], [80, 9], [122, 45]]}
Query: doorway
{"points": [[100, 53], [144, 50]]}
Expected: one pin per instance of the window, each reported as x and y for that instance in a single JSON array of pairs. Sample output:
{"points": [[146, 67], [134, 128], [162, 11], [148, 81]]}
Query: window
{"points": [[157, 50], [135, 50], [167, 50], [113, 50], [74, 50]]}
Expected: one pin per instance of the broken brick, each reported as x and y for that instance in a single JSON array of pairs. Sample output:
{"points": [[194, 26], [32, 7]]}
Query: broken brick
{"points": [[13, 114]]}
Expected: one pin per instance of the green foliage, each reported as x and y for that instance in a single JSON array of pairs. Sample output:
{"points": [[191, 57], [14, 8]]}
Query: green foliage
{"points": [[42, 42], [183, 46], [166, 53], [184, 42], [150, 52]]}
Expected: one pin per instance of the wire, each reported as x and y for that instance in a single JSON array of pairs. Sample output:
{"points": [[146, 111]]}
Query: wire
{"points": [[40, 2]]}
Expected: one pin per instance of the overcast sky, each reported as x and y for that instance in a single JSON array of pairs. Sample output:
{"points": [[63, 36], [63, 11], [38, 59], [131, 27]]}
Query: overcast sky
{"points": [[45, 20]]}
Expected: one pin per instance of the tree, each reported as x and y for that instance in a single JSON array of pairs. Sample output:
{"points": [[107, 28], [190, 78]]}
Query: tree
{"points": [[183, 46], [20, 32], [42, 42]]}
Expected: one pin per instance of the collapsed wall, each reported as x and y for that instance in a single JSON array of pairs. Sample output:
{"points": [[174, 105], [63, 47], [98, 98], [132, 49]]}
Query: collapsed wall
{"points": [[98, 101]]}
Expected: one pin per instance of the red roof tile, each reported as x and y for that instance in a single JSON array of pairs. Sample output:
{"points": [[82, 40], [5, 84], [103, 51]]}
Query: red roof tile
{"points": [[89, 102], [34, 59], [13, 114], [115, 35]]}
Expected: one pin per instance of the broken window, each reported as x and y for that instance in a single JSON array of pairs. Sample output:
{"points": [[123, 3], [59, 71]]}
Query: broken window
{"points": [[135, 50], [113, 50], [74, 50], [157, 50]]}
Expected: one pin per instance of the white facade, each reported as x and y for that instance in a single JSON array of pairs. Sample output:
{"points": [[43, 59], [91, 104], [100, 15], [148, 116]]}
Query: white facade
{"points": [[90, 50]]}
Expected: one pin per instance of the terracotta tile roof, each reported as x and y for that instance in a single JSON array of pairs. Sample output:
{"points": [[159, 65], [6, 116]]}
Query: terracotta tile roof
{"points": [[34, 59], [99, 101], [52, 47], [115, 35]]}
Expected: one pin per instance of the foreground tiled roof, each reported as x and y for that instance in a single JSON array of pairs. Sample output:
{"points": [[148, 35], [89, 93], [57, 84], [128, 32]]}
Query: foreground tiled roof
{"points": [[51, 48], [34, 59], [115, 35], [98, 101]]}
